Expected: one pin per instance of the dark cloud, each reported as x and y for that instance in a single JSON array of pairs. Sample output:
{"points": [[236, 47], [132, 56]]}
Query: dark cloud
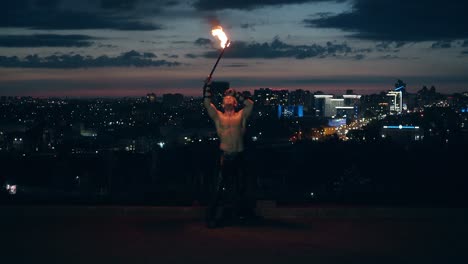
{"points": [[73, 20], [118, 4], [171, 3], [70, 61], [464, 52], [359, 56], [394, 57], [67, 14], [389, 46], [46, 3], [443, 44], [324, 14], [249, 4], [172, 56], [191, 56], [149, 42], [389, 57], [149, 55], [202, 42], [45, 40], [179, 42], [465, 44], [248, 26], [16, 5], [365, 50], [236, 65], [110, 46], [389, 20], [279, 49]]}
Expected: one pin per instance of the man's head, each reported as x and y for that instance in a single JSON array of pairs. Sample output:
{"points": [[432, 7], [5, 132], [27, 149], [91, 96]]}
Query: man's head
{"points": [[229, 100]]}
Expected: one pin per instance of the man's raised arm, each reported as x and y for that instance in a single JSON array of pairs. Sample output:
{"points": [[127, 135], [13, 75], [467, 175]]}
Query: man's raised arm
{"points": [[248, 105], [210, 108]]}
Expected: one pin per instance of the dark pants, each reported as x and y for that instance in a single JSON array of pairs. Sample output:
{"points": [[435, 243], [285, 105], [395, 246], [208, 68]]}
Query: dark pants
{"points": [[232, 195]]}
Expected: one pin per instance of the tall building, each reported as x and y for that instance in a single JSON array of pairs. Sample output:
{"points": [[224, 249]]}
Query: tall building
{"points": [[352, 105], [327, 106], [374, 105], [269, 97], [320, 103], [301, 97], [396, 101], [396, 97], [331, 106], [297, 97]]}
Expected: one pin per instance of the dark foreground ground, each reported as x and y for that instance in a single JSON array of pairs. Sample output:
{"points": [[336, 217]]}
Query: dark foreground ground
{"points": [[177, 235]]}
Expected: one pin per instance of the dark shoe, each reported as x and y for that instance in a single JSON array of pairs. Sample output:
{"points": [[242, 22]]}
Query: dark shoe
{"points": [[214, 223], [211, 224], [250, 219]]}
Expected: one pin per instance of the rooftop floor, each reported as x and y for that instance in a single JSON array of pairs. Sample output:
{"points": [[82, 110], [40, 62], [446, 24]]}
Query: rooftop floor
{"points": [[38, 234]]}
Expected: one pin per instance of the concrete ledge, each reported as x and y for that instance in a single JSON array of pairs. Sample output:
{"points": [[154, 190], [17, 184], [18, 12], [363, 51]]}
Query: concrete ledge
{"points": [[365, 212], [267, 212], [101, 211]]}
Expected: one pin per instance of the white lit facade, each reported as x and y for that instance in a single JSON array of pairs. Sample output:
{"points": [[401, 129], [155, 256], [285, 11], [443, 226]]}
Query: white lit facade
{"points": [[396, 101]]}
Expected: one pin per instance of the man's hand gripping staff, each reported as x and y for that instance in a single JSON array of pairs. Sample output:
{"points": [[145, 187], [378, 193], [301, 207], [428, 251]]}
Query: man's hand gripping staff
{"points": [[207, 89]]}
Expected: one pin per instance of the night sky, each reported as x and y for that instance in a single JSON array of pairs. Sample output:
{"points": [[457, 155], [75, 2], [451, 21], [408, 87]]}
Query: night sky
{"points": [[132, 47]]}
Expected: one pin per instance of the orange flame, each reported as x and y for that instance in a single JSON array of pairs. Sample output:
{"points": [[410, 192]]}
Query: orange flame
{"points": [[219, 33]]}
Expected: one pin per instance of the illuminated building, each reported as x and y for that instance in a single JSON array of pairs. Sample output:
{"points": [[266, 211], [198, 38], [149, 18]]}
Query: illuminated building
{"points": [[327, 106], [328, 131], [320, 102], [352, 104], [336, 122], [18, 143], [322, 132], [300, 97], [396, 101], [290, 111], [151, 98], [402, 133], [88, 132], [269, 97], [331, 106], [346, 112]]}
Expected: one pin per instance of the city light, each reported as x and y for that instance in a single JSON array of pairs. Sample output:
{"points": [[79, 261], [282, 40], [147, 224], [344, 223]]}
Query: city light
{"points": [[141, 129], [11, 189], [401, 127]]}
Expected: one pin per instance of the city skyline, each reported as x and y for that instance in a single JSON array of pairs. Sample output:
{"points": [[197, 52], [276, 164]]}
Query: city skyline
{"points": [[131, 48]]}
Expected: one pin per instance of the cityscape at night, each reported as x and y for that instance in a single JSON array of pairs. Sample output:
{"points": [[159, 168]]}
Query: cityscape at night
{"points": [[129, 149], [278, 131]]}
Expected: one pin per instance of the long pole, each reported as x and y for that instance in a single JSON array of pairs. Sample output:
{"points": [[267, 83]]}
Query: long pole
{"points": [[216, 64]]}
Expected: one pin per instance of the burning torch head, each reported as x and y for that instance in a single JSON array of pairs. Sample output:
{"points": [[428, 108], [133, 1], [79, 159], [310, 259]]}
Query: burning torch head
{"points": [[223, 39]]}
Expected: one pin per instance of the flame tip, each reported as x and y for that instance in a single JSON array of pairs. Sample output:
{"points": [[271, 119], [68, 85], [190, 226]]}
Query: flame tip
{"points": [[219, 33]]}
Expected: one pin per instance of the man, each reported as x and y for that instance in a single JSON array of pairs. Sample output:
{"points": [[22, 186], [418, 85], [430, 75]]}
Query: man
{"points": [[231, 186]]}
